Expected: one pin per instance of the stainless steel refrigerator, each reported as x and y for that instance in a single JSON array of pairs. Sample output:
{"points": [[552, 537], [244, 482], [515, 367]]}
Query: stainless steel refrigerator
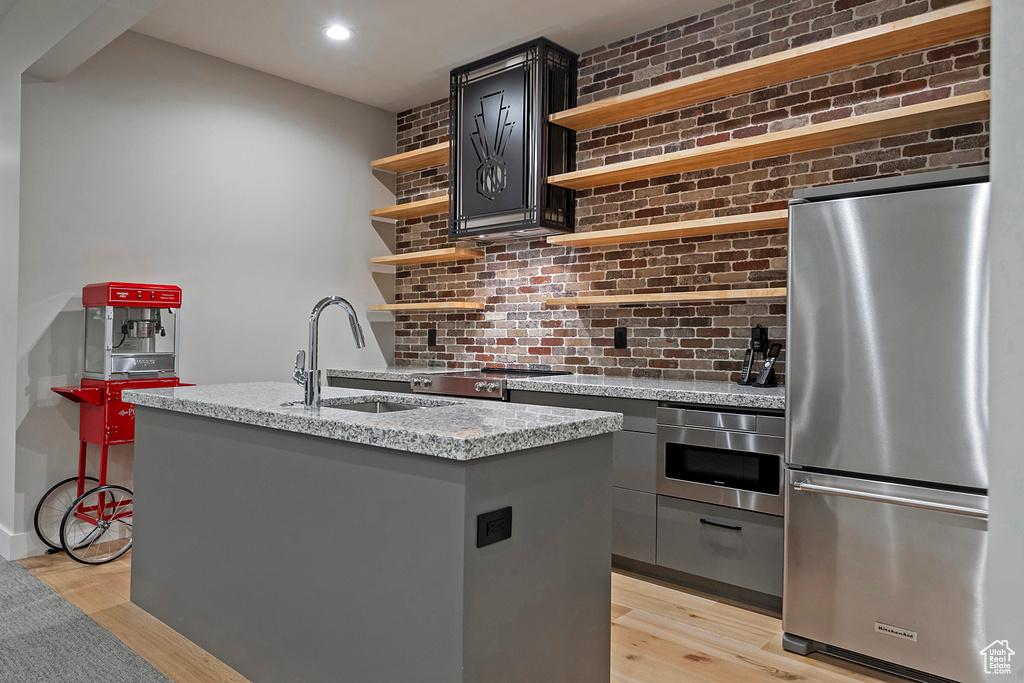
{"points": [[886, 423]]}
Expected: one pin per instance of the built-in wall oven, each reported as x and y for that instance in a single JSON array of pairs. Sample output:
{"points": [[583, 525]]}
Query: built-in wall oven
{"points": [[729, 458]]}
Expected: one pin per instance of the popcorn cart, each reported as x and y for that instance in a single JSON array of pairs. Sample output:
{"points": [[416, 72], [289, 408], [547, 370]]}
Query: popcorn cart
{"points": [[132, 333]]}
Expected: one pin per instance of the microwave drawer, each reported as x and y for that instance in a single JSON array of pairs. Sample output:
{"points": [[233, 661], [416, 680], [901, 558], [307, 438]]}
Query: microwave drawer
{"points": [[711, 419], [713, 438], [736, 547], [722, 468]]}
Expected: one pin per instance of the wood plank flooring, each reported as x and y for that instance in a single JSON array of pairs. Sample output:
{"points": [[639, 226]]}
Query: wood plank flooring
{"points": [[659, 633], [663, 634]]}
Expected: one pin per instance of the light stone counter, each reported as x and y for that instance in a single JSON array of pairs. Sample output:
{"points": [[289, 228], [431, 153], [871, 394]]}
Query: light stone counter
{"points": [[677, 391], [458, 429]]}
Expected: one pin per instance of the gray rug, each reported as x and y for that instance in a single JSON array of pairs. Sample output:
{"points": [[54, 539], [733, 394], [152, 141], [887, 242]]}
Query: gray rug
{"points": [[46, 639]]}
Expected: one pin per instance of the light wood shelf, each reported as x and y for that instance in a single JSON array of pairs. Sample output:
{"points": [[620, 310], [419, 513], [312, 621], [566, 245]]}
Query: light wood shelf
{"points": [[417, 159], [669, 297], [763, 220], [428, 256], [432, 306], [925, 116], [906, 35], [424, 207]]}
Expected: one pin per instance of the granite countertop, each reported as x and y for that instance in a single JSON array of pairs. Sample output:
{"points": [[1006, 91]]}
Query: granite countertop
{"points": [[679, 391], [459, 429]]}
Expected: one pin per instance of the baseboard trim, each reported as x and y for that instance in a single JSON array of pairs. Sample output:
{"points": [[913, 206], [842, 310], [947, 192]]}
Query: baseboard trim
{"points": [[736, 595], [20, 546]]}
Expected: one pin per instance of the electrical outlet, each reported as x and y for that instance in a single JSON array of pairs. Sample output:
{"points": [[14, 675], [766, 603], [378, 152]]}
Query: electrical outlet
{"points": [[620, 337], [492, 527], [432, 337]]}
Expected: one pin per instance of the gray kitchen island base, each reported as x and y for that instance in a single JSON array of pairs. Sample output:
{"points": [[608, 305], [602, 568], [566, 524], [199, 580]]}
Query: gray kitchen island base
{"points": [[298, 558]]}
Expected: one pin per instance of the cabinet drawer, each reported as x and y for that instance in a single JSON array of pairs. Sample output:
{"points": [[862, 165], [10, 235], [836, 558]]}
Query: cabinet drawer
{"points": [[638, 415], [370, 384], [737, 547], [634, 524], [635, 461]]}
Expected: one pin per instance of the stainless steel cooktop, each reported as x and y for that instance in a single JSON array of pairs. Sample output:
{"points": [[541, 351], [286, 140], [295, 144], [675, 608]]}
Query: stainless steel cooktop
{"points": [[487, 382]]}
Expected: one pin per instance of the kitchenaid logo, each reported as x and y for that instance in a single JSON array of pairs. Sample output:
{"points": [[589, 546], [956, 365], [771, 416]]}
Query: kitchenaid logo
{"points": [[896, 632], [997, 657], [493, 130]]}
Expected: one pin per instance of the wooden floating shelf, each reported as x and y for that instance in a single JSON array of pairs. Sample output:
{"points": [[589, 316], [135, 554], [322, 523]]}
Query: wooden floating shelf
{"points": [[429, 256], [925, 116], [906, 35], [432, 306], [669, 297], [764, 220], [424, 207], [424, 157]]}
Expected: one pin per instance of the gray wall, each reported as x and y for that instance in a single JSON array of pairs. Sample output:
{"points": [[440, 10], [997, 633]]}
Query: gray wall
{"points": [[27, 31], [1005, 595], [155, 163]]}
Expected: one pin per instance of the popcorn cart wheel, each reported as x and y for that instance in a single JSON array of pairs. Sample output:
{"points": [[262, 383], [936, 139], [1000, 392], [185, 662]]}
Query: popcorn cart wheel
{"points": [[52, 506], [131, 342], [97, 528]]}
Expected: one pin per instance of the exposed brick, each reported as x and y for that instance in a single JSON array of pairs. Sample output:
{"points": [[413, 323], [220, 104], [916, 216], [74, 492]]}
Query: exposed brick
{"points": [[678, 341], [924, 96], [848, 4], [833, 91], [878, 81], [954, 50], [957, 131]]}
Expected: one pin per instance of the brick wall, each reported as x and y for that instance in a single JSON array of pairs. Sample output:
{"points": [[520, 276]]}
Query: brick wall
{"points": [[676, 341]]}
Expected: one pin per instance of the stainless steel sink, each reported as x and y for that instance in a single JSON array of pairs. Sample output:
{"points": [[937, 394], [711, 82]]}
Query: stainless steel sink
{"points": [[375, 406]]}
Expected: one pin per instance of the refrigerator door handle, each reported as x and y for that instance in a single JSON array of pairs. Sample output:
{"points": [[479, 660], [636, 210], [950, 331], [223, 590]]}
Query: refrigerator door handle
{"points": [[894, 500]]}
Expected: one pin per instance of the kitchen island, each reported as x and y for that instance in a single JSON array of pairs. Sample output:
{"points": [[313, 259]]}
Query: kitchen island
{"points": [[351, 545]]}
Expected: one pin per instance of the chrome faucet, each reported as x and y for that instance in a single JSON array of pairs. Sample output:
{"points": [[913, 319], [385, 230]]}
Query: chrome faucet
{"points": [[309, 380]]}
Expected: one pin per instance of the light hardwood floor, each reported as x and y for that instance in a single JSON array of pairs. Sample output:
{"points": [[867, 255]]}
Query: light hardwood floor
{"points": [[659, 633]]}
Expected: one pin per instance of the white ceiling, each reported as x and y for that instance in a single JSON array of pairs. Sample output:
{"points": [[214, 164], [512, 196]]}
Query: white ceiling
{"points": [[402, 50]]}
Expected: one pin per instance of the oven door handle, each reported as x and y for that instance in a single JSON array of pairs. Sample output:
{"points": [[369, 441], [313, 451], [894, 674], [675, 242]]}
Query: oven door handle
{"points": [[894, 500], [720, 525]]}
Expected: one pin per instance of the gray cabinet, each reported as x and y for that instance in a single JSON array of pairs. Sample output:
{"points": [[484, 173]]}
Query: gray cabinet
{"points": [[736, 547], [634, 524], [634, 467], [634, 461]]}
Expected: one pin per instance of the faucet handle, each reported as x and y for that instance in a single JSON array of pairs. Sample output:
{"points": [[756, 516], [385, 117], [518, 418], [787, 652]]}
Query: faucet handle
{"points": [[299, 375]]}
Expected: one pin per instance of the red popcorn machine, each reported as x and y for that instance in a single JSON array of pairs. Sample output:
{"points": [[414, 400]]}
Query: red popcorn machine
{"points": [[132, 333]]}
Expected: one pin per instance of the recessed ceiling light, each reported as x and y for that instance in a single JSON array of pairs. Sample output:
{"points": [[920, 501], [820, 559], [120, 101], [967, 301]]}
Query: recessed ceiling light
{"points": [[337, 32]]}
